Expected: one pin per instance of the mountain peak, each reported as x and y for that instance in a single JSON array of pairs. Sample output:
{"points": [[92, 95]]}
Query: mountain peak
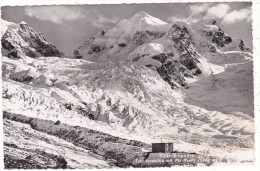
{"points": [[21, 40], [23, 23], [5, 25], [139, 16], [142, 16]]}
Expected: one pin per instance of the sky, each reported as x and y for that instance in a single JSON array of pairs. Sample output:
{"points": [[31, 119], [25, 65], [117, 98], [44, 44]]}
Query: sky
{"points": [[68, 26]]}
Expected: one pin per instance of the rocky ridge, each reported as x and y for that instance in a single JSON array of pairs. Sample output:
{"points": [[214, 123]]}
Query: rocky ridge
{"points": [[20, 40]]}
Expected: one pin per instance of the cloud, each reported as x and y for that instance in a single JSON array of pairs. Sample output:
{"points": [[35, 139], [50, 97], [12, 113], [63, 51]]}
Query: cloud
{"points": [[101, 20], [197, 11], [184, 19], [104, 22], [60, 14], [207, 10], [55, 14], [217, 11], [199, 8], [238, 15]]}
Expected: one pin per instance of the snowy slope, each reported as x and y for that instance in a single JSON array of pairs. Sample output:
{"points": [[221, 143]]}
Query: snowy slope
{"points": [[125, 99], [228, 92]]}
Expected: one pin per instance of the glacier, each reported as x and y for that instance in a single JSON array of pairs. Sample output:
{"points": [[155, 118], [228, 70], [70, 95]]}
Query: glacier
{"points": [[143, 80]]}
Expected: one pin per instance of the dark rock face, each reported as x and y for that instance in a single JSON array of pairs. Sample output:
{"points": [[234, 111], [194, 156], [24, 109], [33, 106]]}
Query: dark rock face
{"points": [[169, 71], [184, 45], [241, 45], [141, 37], [177, 32], [26, 41], [172, 70], [76, 54], [162, 57], [214, 22], [220, 38], [96, 48], [122, 45], [103, 32], [212, 48], [176, 70]]}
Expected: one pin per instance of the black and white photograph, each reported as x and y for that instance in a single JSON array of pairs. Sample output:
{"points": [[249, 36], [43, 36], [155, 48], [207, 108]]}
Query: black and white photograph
{"points": [[138, 85]]}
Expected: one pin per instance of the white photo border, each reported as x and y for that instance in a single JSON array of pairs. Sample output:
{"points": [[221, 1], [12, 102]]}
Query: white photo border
{"points": [[256, 57]]}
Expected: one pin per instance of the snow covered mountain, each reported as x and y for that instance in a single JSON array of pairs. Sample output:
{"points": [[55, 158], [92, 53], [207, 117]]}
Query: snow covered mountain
{"points": [[21, 40], [140, 82], [176, 50]]}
